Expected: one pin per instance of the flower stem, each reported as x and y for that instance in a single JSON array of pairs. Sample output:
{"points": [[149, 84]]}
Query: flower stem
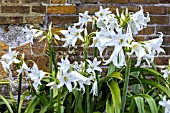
{"points": [[125, 88], [51, 70], [19, 89], [87, 87]]}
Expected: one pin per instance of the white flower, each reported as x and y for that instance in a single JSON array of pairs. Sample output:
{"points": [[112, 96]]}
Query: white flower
{"points": [[102, 13], [93, 66], [31, 33], [166, 73], [8, 58], [36, 76], [137, 49], [139, 21], [94, 88], [24, 68], [66, 78], [165, 103], [64, 64], [84, 18], [71, 36]]}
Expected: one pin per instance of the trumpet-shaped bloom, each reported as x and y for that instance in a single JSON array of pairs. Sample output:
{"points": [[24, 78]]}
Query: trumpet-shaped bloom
{"points": [[8, 58], [139, 21], [84, 18], [24, 68], [102, 13], [165, 103], [94, 89], [93, 66], [36, 76], [31, 33], [64, 64], [71, 36], [166, 73], [67, 79]]}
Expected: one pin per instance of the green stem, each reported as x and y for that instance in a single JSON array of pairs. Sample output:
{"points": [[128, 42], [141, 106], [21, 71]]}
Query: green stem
{"points": [[59, 95], [51, 70], [125, 88], [87, 87], [19, 89]]}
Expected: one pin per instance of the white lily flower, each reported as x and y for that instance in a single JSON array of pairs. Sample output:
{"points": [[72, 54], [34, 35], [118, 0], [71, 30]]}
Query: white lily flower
{"points": [[64, 64], [102, 13], [52, 84], [165, 103], [81, 80], [166, 73], [8, 58], [139, 21], [36, 76], [93, 66], [138, 50], [66, 78], [84, 18], [94, 89], [23, 69], [31, 33], [153, 46], [71, 36]]}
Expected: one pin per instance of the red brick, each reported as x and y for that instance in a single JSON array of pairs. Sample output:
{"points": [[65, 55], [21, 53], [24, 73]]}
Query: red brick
{"points": [[34, 19], [39, 9], [154, 9], [152, 1], [11, 20], [137, 1], [139, 38], [167, 50], [90, 1], [63, 19], [35, 1], [164, 29], [58, 1], [161, 60], [91, 9], [106, 1], [147, 31], [15, 9], [159, 20], [61, 10]]}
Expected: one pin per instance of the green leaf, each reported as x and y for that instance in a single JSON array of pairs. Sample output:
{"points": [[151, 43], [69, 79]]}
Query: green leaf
{"points": [[116, 98], [44, 108], [109, 107], [31, 105], [7, 104], [150, 71], [151, 102], [140, 104], [22, 99], [78, 101], [111, 69], [132, 107], [42, 38], [112, 75]]}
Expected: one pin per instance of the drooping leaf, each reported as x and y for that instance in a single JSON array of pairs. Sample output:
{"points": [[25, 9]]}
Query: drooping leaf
{"points": [[44, 108], [140, 104], [132, 107], [7, 104], [116, 98], [151, 102], [111, 69]]}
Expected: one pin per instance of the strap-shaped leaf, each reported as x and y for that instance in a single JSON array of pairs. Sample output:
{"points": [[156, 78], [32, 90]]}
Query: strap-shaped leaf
{"points": [[22, 99], [109, 107], [31, 105], [44, 108], [151, 103], [7, 104], [140, 104], [116, 98], [111, 69]]}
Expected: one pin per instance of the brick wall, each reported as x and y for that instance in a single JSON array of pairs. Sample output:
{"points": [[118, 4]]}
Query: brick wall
{"points": [[63, 13]]}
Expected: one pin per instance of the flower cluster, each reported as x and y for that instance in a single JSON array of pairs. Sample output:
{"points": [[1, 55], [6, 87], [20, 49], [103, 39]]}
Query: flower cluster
{"points": [[116, 31], [72, 74]]}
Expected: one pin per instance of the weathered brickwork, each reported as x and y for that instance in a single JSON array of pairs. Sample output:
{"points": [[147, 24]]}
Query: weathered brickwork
{"points": [[64, 13]]}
